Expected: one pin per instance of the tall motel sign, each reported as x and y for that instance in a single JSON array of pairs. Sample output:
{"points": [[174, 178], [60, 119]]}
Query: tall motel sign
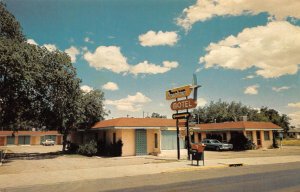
{"points": [[181, 105]]}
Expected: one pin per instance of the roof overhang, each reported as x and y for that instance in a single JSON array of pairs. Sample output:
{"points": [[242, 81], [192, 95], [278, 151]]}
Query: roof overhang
{"points": [[266, 129], [217, 130]]}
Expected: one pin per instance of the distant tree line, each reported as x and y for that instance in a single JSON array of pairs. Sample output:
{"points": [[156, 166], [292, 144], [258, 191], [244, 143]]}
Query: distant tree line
{"points": [[222, 111], [40, 88]]}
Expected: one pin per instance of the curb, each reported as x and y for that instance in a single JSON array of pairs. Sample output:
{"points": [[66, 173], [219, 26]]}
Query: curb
{"points": [[193, 168]]}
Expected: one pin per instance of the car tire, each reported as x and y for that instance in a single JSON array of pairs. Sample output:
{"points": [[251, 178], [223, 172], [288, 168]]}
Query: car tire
{"points": [[218, 148]]}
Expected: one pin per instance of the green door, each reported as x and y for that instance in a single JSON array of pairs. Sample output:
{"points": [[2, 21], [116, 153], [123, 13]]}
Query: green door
{"points": [[169, 140], [140, 142], [10, 140], [24, 140]]}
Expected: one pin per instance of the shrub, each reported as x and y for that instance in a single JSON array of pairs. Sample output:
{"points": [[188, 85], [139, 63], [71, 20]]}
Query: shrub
{"points": [[115, 149], [72, 148], [88, 149], [101, 148], [240, 142]]}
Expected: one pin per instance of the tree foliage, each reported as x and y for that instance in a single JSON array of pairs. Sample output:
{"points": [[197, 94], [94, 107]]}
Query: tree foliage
{"points": [[40, 88], [222, 111], [9, 27], [157, 115], [91, 108]]}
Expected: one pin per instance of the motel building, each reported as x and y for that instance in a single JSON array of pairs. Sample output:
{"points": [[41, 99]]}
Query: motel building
{"points": [[8, 138], [150, 136]]}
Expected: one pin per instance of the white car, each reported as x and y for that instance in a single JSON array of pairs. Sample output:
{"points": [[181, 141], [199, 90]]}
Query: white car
{"points": [[48, 142]]}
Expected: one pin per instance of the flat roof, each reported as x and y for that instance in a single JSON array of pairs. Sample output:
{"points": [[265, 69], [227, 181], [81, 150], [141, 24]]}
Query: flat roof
{"points": [[238, 125], [33, 133], [135, 122], [161, 122]]}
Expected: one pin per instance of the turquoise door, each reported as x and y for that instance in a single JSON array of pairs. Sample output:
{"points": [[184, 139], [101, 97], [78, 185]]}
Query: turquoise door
{"points": [[10, 140], [24, 140], [140, 142], [169, 140]]}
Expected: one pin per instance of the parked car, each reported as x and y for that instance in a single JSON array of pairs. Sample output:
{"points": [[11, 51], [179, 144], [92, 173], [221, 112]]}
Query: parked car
{"points": [[216, 145], [48, 142]]}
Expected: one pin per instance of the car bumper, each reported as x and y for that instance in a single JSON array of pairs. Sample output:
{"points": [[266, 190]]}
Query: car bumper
{"points": [[226, 147]]}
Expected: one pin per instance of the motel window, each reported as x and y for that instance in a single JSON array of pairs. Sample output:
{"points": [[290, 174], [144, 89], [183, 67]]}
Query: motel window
{"points": [[266, 135], [249, 135], [114, 138], [155, 140]]}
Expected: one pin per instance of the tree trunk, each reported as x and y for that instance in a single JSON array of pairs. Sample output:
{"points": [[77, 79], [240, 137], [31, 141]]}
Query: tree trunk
{"points": [[65, 134]]}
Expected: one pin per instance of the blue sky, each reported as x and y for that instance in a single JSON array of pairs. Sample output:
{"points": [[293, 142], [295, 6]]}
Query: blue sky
{"points": [[135, 50]]}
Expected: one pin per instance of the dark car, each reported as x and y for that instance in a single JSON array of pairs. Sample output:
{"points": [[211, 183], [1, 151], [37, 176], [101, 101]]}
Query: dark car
{"points": [[216, 145]]}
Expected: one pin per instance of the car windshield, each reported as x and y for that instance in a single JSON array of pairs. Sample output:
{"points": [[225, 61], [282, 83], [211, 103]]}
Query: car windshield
{"points": [[215, 141]]}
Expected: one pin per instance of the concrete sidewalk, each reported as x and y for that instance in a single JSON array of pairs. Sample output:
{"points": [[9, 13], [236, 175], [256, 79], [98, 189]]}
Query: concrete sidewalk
{"points": [[51, 177]]}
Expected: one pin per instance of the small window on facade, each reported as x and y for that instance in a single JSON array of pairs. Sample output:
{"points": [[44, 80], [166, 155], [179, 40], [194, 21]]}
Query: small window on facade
{"points": [[114, 138], [266, 135], [155, 140]]}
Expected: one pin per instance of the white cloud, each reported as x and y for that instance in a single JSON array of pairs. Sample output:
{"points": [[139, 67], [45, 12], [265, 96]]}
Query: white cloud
{"points": [[170, 64], [201, 102], [249, 77], [84, 49], [110, 86], [88, 40], [273, 50], [131, 103], [295, 118], [149, 68], [32, 42], [207, 9], [198, 69], [86, 88], [294, 105], [252, 90], [152, 38], [72, 52], [50, 47], [278, 89], [111, 58]]}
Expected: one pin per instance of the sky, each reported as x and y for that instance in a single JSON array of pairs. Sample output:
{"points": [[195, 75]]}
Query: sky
{"points": [[243, 51]]}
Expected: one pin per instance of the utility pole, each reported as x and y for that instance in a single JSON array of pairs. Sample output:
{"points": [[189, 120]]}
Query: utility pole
{"points": [[177, 131]]}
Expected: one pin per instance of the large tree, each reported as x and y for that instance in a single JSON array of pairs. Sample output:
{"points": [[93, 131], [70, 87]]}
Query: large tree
{"points": [[221, 111], [91, 109], [157, 115], [9, 27], [39, 88]]}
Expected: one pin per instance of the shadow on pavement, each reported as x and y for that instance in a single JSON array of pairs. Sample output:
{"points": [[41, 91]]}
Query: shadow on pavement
{"points": [[32, 156]]}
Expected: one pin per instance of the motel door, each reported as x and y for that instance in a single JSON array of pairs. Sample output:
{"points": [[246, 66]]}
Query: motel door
{"points": [[24, 140], [258, 137], [140, 142], [10, 140], [169, 140], [2, 141]]}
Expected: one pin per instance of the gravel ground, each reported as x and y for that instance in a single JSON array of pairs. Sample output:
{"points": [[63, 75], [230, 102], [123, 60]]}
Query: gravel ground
{"points": [[73, 162]]}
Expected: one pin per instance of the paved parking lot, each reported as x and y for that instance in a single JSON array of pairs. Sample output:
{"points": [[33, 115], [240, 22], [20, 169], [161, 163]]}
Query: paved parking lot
{"points": [[57, 168], [73, 162]]}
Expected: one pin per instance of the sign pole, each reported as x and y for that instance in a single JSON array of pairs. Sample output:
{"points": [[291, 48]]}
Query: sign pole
{"points": [[178, 144], [188, 136]]}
